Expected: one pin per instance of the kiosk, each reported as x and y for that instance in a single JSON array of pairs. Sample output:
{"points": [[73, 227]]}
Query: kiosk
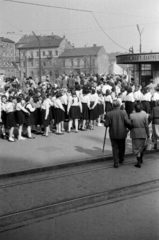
{"points": [[145, 66]]}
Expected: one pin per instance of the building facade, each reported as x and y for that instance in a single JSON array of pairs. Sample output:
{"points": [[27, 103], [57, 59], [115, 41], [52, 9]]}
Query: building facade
{"points": [[87, 60], [7, 57], [40, 56]]}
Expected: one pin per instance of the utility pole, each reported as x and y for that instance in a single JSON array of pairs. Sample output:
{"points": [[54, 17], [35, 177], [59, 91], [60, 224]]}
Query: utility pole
{"points": [[90, 64], [39, 55], [140, 32]]}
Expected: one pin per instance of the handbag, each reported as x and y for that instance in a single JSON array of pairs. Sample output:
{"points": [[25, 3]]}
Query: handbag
{"points": [[148, 145]]}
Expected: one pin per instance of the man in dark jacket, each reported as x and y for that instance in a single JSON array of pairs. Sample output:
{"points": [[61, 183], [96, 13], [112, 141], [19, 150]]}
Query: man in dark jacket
{"points": [[118, 122]]}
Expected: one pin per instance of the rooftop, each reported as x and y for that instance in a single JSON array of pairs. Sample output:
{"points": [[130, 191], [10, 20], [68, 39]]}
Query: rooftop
{"points": [[45, 41], [6, 40], [77, 52]]}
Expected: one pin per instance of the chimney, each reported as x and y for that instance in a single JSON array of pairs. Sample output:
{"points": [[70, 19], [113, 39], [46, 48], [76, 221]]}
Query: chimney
{"points": [[94, 45], [63, 36]]}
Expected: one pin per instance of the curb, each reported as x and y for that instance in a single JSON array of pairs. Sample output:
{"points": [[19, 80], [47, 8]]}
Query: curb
{"points": [[64, 165]]}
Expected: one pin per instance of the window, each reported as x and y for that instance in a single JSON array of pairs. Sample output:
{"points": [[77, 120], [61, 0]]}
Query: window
{"points": [[50, 73], [44, 64], [44, 53], [93, 62], [56, 53], [31, 63], [146, 69], [31, 54], [64, 63], [50, 53], [78, 63], [72, 63], [37, 54]]}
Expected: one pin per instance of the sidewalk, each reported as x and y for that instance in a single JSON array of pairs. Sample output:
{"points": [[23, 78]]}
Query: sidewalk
{"points": [[56, 151]]}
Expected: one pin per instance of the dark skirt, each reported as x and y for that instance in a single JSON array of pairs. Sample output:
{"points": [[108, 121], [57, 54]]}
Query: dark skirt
{"points": [[50, 114], [11, 120], [53, 111], [44, 122], [20, 117], [129, 107], [59, 115], [100, 108], [93, 113], [4, 117], [108, 107], [146, 106], [65, 107], [74, 112], [30, 119], [85, 111], [37, 116]]}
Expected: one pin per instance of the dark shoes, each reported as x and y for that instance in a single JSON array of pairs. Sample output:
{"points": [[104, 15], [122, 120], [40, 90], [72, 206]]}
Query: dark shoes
{"points": [[155, 146], [121, 160], [115, 165], [138, 165]]}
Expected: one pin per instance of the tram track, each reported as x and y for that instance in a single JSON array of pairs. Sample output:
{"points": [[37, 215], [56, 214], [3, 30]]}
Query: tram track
{"points": [[83, 187], [27, 217]]}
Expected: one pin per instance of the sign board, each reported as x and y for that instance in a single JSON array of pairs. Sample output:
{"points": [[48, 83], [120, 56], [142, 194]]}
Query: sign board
{"points": [[137, 58]]}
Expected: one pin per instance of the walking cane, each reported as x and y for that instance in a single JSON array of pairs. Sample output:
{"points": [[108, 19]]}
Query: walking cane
{"points": [[104, 139]]}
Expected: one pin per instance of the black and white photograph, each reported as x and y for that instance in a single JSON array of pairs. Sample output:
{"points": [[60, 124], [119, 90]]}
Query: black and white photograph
{"points": [[79, 120]]}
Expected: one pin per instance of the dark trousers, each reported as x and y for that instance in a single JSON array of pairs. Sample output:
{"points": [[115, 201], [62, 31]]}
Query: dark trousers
{"points": [[118, 148]]}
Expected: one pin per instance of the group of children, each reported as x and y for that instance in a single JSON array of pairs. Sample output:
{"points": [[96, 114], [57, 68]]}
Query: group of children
{"points": [[82, 108]]}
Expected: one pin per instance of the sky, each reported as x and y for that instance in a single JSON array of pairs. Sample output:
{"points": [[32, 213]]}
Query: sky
{"points": [[110, 23]]}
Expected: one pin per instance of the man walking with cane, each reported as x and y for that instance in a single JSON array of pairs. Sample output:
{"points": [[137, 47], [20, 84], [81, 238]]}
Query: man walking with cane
{"points": [[117, 120]]}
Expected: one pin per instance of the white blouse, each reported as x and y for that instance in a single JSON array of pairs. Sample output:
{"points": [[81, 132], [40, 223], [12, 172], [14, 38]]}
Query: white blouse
{"points": [[130, 97], [146, 97]]}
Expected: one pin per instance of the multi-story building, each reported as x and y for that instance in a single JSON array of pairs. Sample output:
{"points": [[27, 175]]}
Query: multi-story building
{"points": [[87, 60], [7, 57], [40, 55]]}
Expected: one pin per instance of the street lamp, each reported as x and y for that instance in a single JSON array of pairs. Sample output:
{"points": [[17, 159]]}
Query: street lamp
{"points": [[39, 55], [140, 32]]}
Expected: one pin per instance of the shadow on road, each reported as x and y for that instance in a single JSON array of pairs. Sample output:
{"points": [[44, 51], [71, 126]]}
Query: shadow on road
{"points": [[95, 151]]}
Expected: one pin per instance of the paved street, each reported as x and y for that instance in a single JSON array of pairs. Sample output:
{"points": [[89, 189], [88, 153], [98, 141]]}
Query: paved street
{"points": [[54, 150], [84, 202]]}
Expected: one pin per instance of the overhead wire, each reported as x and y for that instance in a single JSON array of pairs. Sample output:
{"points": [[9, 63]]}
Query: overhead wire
{"points": [[74, 9]]}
